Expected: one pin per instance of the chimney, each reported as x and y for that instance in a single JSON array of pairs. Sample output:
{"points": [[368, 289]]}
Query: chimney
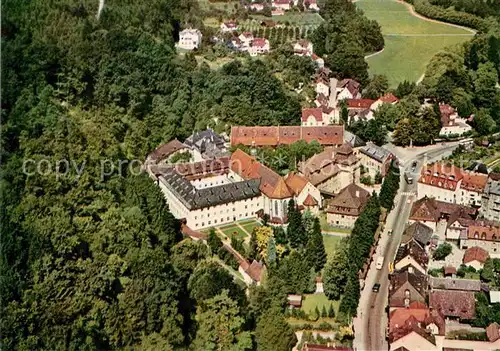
{"points": [[357, 193]]}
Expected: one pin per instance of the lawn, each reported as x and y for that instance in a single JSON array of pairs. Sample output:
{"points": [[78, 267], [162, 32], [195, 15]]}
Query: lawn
{"points": [[331, 242], [249, 226], [410, 42], [330, 228], [233, 230], [310, 301], [223, 6]]}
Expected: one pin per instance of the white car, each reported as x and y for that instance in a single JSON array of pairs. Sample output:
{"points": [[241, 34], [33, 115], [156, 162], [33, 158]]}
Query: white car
{"points": [[380, 262]]}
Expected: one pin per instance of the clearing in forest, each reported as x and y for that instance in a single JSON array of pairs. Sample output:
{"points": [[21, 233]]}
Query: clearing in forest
{"points": [[410, 40]]}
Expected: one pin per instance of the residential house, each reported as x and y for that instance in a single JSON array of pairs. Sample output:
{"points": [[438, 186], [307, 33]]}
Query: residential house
{"points": [[319, 286], [236, 44], [419, 232], [319, 116], [359, 104], [386, 99], [190, 39], [490, 199], [305, 194], [454, 284], [320, 63], [321, 100], [259, 46], [246, 39], [322, 86], [275, 192], [284, 5], [332, 170], [294, 301], [348, 89], [317, 347], [345, 208], [206, 145], [431, 212], [206, 196], [311, 5], [406, 287], [451, 123], [475, 257], [375, 159], [303, 48], [412, 254], [252, 273], [277, 12], [228, 27], [453, 304], [483, 234], [418, 311], [332, 135], [412, 336], [256, 6], [163, 153]]}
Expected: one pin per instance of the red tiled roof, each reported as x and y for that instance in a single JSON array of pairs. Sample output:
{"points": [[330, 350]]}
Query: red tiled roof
{"points": [[310, 201], [296, 182], [259, 42], [315, 347], [274, 136], [484, 232], [450, 270], [271, 183], [247, 35], [230, 24], [322, 99], [281, 2], [493, 332], [255, 270], [424, 316], [304, 43], [417, 305], [317, 113], [349, 84], [389, 98], [453, 303], [359, 103], [475, 254], [441, 175], [165, 150], [411, 325], [474, 182]]}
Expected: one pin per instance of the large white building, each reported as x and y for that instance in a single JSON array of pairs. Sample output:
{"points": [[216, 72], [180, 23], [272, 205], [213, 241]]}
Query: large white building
{"points": [[451, 122], [207, 193], [190, 39], [451, 184]]}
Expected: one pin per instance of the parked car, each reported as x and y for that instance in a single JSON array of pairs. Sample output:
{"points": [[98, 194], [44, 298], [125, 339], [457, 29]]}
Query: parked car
{"points": [[376, 287]]}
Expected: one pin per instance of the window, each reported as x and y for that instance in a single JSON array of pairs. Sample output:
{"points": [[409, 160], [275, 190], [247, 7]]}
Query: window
{"points": [[483, 235], [209, 222]]}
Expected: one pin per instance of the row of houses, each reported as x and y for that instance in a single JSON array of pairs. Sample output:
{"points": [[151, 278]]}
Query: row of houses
{"points": [[283, 5], [448, 183], [422, 308]]}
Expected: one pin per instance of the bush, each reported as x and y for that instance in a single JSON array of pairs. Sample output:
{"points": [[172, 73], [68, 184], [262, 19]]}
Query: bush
{"points": [[366, 180], [442, 251], [436, 272]]}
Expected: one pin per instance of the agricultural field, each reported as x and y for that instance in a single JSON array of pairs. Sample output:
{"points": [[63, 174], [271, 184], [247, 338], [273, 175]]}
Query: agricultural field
{"points": [[410, 41]]}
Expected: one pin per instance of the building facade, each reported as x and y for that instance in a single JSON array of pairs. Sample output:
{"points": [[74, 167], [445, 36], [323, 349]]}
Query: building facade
{"points": [[190, 39], [490, 199]]}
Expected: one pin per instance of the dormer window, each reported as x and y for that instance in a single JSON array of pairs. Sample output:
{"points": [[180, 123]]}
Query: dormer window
{"points": [[436, 174], [476, 235], [483, 236], [451, 177]]}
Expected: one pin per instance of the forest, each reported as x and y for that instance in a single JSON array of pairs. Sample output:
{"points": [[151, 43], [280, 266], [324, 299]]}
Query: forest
{"points": [[91, 258]]}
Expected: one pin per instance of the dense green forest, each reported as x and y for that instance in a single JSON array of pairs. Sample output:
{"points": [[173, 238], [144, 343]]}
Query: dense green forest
{"points": [[91, 258]]}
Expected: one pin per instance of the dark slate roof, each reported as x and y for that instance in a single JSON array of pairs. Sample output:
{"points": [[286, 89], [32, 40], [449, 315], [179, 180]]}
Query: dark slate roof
{"points": [[206, 142], [455, 284], [415, 278], [194, 198], [353, 139], [478, 167], [414, 250], [378, 153], [419, 232]]}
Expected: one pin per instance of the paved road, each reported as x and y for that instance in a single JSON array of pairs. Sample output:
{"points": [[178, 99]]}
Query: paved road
{"points": [[371, 323]]}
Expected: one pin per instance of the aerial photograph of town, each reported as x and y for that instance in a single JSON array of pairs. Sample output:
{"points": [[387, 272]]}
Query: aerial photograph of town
{"points": [[250, 175]]}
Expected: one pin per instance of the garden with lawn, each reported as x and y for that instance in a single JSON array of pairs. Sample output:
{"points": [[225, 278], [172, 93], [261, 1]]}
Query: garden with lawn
{"points": [[410, 41], [331, 242]]}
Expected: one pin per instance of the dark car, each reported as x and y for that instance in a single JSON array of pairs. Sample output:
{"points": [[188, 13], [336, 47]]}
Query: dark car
{"points": [[376, 287]]}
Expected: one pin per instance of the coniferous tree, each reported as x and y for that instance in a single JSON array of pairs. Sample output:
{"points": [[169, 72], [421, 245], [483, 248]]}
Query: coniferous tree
{"points": [[331, 311], [271, 251], [324, 314], [214, 242], [350, 300], [253, 252], [315, 248], [295, 232]]}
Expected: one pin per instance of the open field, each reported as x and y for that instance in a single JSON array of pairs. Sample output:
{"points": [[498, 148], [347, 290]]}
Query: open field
{"points": [[222, 6], [410, 41], [310, 301], [331, 242], [294, 18]]}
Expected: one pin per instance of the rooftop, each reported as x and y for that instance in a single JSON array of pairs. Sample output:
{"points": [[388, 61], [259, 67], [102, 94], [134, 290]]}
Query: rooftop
{"points": [[194, 198], [376, 152], [455, 284], [451, 303], [350, 200], [164, 151], [475, 254], [278, 135], [415, 251], [419, 232]]}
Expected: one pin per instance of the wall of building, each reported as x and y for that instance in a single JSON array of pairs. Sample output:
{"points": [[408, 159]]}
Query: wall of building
{"points": [[337, 182], [309, 189], [371, 165], [213, 215], [437, 193], [413, 342], [490, 207], [493, 247], [339, 220], [407, 261], [211, 181]]}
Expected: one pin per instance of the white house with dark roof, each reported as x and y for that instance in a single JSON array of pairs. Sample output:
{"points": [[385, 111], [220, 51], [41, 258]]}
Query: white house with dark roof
{"points": [[303, 48], [190, 39], [375, 159]]}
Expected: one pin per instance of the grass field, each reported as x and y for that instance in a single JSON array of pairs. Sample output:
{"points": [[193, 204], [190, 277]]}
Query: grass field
{"points": [[410, 42], [331, 242], [310, 301], [294, 18], [234, 230]]}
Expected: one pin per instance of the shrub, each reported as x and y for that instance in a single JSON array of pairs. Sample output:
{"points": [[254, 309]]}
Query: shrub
{"points": [[442, 251]]}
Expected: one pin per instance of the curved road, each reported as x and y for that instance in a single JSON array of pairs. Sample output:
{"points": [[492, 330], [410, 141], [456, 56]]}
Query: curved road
{"points": [[372, 322]]}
